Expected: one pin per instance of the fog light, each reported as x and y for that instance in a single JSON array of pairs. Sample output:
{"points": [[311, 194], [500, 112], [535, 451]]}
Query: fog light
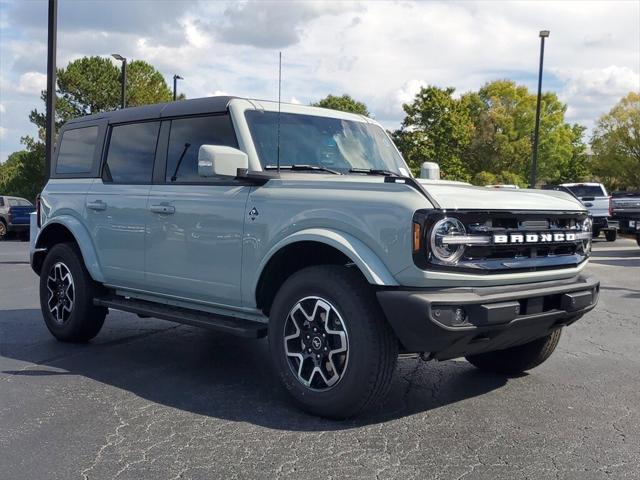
{"points": [[459, 316]]}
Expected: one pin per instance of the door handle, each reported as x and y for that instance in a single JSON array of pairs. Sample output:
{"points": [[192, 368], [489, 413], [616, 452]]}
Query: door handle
{"points": [[166, 209], [97, 205]]}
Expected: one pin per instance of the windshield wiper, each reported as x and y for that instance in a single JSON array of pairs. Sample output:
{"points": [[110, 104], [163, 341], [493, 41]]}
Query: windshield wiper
{"points": [[296, 166], [374, 171]]}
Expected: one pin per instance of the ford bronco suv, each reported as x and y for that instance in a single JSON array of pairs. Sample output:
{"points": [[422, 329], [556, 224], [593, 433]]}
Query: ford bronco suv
{"points": [[303, 224]]}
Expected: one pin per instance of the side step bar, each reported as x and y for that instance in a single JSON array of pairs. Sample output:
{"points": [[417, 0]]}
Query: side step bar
{"points": [[235, 326]]}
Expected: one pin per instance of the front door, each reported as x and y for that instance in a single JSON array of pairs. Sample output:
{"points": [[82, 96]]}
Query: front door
{"points": [[195, 224], [116, 205]]}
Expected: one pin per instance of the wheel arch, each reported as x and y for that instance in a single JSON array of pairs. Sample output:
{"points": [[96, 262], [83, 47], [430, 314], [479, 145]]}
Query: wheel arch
{"points": [[315, 247], [66, 229]]}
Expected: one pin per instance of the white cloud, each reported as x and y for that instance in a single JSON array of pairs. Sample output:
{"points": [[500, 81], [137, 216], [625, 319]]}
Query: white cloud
{"points": [[3, 132], [2, 108], [378, 52], [32, 83], [590, 92]]}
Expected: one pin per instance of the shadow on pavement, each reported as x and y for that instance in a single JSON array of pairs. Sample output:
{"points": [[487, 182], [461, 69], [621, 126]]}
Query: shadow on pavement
{"points": [[213, 374]]}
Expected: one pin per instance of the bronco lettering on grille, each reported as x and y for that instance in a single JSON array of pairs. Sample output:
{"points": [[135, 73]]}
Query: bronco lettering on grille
{"points": [[532, 238]]}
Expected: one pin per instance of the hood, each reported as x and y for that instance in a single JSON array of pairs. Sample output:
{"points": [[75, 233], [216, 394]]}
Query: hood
{"points": [[449, 195], [460, 196]]}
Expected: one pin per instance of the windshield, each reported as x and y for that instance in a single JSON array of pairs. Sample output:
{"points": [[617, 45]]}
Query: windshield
{"points": [[329, 143], [587, 191]]}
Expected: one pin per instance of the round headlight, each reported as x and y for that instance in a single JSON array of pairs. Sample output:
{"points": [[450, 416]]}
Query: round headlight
{"points": [[443, 251]]}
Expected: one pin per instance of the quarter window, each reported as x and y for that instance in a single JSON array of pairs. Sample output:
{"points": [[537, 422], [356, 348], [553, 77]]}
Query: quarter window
{"points": [[186, 137], [77, 149], [132, 149]]}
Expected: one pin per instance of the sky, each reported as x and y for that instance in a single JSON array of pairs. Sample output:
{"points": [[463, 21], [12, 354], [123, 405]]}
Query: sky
{"points": [[380, 52]]}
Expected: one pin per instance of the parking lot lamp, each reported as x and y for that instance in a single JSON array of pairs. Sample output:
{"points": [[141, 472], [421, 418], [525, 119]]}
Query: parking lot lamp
{"points": [[50, 122], [534, 161], [123, 79], [175, 85]]}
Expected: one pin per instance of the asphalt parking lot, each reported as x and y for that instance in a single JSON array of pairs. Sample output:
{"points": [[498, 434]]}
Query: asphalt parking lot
{"points": [[151, 399]]}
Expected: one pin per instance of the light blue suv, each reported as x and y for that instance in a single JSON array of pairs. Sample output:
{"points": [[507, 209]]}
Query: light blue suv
{"points": [[303, 224]]}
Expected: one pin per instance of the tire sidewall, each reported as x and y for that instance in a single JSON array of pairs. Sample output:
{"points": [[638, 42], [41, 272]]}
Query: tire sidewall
{"points": [[361, 341], [83, 296]]}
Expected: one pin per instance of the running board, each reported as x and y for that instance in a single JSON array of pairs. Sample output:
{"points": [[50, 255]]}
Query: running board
{"points": [[233, 325]]}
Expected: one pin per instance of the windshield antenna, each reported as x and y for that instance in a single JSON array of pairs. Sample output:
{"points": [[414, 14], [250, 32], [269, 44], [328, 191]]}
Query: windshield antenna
{"points": [[279, 100]]}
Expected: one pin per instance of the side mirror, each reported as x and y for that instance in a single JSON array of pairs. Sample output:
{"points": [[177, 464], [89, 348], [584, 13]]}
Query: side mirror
{"points": [[217, 160]]}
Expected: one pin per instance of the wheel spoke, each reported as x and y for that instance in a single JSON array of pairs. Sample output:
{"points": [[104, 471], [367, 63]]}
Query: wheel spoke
{"points": [[317, 350], [61, 292]]}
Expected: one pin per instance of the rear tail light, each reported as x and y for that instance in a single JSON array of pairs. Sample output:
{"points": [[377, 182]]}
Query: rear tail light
{"points": [[38, 210], [10, 215], [611, 206]]}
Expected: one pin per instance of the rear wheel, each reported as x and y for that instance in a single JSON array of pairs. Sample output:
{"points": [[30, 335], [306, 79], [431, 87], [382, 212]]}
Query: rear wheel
{"points": [[596, 233], [517, 359], [3, 231], [66, 296], [611, 235], [330, 342]]}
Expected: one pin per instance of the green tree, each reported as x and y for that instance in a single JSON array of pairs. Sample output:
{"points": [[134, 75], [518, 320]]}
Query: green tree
{"points": [[344, 103], [484, 178], [503, 116], [22, 175], [616, 144], [92, 84], [437, 128], [86, 86]]}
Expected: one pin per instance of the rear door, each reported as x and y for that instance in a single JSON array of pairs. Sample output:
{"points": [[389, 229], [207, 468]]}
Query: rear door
{"points": [[116, 205], [195, 224]]}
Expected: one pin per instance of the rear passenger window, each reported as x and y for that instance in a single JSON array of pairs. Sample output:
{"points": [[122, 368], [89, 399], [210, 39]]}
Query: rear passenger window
{"points": [[185, 138], [77, 148], [131, 152]]}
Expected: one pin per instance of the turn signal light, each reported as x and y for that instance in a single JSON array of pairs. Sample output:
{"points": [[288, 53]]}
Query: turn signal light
{"points": [[417, 236]]}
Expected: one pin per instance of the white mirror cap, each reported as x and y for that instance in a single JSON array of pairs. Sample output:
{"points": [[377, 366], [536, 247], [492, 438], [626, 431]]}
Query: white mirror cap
{"points": [[218, 160]]}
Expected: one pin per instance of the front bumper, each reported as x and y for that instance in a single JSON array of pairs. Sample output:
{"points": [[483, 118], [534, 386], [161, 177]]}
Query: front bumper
{"points": [[494, 318]]}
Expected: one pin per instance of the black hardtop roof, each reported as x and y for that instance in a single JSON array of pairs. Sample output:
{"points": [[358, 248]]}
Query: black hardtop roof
{"points": [[178, 108]]}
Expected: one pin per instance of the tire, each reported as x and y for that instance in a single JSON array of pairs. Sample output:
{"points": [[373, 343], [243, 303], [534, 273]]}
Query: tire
{"points": [[333, 382], [3, 231], [611, 235], [638, 240], [515, 360], [596, 233], [66, 296]]}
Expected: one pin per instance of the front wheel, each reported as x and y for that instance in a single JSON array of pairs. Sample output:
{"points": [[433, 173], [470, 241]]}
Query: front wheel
{"points": [[3, 231], [521, 358], [330, 342], [66, 296]]}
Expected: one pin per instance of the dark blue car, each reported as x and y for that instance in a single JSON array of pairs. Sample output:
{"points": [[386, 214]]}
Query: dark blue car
{"points": [[14, 215]]}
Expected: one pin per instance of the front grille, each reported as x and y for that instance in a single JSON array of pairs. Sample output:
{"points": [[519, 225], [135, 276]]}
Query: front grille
{"points": [[484, 255]]}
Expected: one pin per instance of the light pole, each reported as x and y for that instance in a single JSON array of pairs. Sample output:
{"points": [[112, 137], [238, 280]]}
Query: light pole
{"points": [[50, 122], [534, 160], [175, 85], [123, 80]]}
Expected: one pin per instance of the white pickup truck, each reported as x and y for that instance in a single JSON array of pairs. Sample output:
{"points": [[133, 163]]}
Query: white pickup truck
{"points": [[594, 196]]}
